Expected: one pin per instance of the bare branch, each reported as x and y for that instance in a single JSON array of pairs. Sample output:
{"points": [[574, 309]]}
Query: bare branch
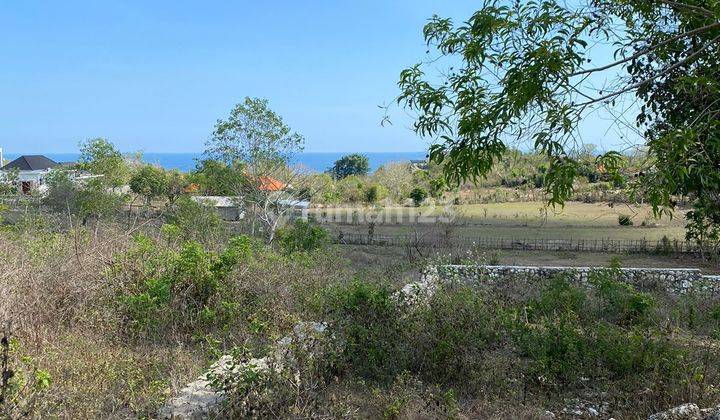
{"points": [[650, 79], [648, 49]]}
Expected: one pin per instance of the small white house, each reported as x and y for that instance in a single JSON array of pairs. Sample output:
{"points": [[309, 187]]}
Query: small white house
{"points": [[31, 171], [227, 207]]}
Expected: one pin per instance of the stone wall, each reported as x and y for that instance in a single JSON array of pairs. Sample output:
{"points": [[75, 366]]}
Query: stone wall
{"points": [[675, 281]]}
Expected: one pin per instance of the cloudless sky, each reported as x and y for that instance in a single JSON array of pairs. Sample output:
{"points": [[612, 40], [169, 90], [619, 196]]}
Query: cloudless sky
{"points": [[156, 75]]}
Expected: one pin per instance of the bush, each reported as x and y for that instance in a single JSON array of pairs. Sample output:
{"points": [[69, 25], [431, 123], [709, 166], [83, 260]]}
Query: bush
{"points": [[301, 236], [374, 193], [624, 220], [150, 182], [418, 195], [366, 319], [184, 290], [194, 221], [565, 340], [448, 337], [22, 383], [620, 302]]}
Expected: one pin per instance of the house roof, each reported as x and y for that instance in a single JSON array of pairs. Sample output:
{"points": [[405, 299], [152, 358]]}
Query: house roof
{"points": [[270, 184], [31, 163], [216, 200]]}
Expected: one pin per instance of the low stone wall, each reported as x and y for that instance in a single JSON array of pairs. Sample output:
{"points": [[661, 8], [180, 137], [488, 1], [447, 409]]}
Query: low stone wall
{"points": [[676, 281]]}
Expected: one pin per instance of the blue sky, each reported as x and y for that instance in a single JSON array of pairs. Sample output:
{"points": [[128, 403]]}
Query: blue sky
{"points": [[156, 75]]}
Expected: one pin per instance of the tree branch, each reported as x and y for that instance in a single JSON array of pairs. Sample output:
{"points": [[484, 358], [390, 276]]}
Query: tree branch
{"points": [[648, 49], [650, 79]]}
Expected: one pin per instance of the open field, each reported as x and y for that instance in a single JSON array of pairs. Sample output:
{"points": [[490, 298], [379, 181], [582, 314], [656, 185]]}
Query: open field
{"points": [[522, 220]]}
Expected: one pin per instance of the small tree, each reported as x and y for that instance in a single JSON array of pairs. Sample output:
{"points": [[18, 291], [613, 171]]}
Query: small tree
{"points": [[96, 202], [256, 140], [150, 182], [302, 236], [216, 177], [195, 221], [418, 195], [62, 194], [100, 157], [354, 164], [175, 186]]}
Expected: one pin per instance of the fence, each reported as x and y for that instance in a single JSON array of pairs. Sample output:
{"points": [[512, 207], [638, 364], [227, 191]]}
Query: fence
{"points": [[665, 246]]}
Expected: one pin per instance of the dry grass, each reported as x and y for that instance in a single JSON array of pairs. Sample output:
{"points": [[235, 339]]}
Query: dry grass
{"points": [[530, 220], [60, 304]]}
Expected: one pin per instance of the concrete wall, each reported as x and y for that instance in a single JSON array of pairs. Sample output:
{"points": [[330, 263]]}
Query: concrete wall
{"points": [[675, 281]]}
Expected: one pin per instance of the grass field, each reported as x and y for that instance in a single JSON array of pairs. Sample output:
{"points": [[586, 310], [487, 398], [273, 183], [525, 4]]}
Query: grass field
{"points": [[521, 220]]}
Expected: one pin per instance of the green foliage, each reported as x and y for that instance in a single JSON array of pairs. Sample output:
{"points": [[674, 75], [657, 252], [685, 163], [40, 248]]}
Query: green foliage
{"points": [[62, 194], [620, 302], [375, 193], [194, 221], [521, 71], [625, 220], [150, 182], [366, 318], [255, 135], [100, 157], [418, 195], [302, 235], [354, 164], [95, 201], [449, 335], [181, 289], [565, 340], [176, 183], [214, 177], [22, 383]]}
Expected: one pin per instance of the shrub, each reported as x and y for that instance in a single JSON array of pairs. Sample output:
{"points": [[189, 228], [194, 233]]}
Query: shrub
{"points": [[22, 383], [195, 221], [374, 193], [624, 220], [620, 302], [302, 236], [365, 318], [418, 195], [448, 336], [184, 290], [354, 164], [150, 182], [565, 340]]}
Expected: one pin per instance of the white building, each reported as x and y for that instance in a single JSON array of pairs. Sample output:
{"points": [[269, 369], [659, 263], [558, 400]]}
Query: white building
{"points": [[31, 171]]}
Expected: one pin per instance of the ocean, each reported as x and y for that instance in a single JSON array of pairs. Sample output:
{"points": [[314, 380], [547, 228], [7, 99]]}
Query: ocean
{"points": [[315, 161]]}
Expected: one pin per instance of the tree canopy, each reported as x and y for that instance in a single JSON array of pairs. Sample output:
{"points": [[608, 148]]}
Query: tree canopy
{"points": [[100, 157], [256, 136], [353, 164], [524, 72]]}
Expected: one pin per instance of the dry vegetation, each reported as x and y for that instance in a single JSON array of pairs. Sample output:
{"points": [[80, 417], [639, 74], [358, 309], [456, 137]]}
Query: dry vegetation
{"points": [[111, 326]]}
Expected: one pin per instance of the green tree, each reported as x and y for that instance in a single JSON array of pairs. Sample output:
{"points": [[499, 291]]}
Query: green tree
{"points": [[195, 221], [150, 182], [354, 164], [418, 195], [176, 184], [62, 193], [523, 71], [257, 137], [96, 202], [216, 177], [100, 157]]}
